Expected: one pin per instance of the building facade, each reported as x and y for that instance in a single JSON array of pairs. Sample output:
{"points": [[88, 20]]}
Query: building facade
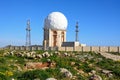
{"points": [[55, 25], [54, 38]]}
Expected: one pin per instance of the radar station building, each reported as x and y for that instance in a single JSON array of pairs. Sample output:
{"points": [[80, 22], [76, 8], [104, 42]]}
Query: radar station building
{"points": [[55, 26], [55, 30]]}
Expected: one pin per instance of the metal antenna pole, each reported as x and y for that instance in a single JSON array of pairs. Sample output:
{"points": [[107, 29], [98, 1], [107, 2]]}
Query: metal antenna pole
{"points": [[28, 35], [76, 31]]}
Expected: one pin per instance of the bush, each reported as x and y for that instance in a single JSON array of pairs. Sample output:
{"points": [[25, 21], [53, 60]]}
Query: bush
{"points": [[110, 65], [3, 77], [20, 60], [116, 71], [85, 67], [2, 60], [81, 77], [3, 68], [1, 51], [39, 51], [30, 75]]}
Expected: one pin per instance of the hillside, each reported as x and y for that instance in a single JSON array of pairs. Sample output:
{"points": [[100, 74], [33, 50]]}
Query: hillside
{"points": [[55, 65]]}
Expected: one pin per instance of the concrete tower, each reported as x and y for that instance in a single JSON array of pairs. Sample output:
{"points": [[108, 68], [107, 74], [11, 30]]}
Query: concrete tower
{"points": [[54, 30]]}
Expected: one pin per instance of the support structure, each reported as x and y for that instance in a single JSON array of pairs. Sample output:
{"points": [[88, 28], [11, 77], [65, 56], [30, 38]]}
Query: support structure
{"points": [[28, 35], [54, 38], [76, 39]]}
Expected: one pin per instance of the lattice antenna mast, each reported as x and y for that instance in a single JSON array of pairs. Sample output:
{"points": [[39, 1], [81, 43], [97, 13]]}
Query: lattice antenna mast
{"points": [[76, 39], [28, 35]]}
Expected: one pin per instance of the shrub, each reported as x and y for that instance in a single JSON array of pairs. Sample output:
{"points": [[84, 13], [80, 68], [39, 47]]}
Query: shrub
{"points": [[39, 51], [110, 65], [20, 60], [85, 67], [3, 77], [81, 77], [116, 71], [53, 72], [3, 68], [30, 75], [2, 60], [1, 51]]}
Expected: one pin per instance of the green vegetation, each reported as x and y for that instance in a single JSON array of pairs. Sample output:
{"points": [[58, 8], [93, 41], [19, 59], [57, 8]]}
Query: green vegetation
{"points": [[110, 65], [115, 53], [80, 64], [30, 75]]}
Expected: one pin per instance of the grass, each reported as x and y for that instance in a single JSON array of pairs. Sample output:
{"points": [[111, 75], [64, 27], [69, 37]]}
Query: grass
{"points": [[115, 53], [83, 60]]}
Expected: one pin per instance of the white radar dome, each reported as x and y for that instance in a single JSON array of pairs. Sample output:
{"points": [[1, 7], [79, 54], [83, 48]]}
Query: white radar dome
{"points": [[56, 21]]}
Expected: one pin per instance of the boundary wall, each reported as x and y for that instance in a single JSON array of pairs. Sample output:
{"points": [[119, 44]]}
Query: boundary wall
{"points": [[91, 48], [79, 48]]}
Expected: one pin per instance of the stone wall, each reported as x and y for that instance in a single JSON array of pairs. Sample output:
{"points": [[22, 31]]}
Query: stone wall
{"points": [[86, 48], [104, 49], [95, 48], [24, 48], [113, 49], [69, 48], [78, 48], [92, 48]]}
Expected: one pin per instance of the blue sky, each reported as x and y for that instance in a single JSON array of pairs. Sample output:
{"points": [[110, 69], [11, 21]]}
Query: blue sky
{"points": [[99, 20]]}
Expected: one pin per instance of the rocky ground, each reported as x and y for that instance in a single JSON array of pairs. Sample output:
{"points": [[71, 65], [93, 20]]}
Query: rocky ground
{"points": [[110, 56], [56, 65]]}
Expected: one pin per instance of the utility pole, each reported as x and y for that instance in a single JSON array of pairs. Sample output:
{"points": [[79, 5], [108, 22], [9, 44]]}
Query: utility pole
{"points": [[28, 35], [76, 39]]}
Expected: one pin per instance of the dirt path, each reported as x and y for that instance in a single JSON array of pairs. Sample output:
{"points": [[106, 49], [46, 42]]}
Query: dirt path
{"points": [[110, 56]]}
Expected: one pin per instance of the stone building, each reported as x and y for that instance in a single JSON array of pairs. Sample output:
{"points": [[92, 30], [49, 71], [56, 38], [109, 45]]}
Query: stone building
{"points": [[55, 26]]}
